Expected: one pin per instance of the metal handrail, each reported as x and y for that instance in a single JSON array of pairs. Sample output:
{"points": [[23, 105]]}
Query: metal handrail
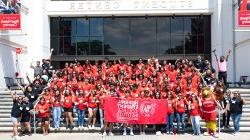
{"points": [[34, 117]]}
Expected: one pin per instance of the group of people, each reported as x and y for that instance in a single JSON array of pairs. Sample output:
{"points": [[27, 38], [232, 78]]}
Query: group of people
{"points": [[190, 88]]}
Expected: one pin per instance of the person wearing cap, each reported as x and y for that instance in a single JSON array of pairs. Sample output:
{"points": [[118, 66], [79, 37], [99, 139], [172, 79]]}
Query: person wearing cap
{"points": [[16, 112], [235, 106], [194, 106]]}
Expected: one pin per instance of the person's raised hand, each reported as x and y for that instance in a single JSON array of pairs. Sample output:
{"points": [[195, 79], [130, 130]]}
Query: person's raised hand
{"points": [[229, 51], [214, 50]]}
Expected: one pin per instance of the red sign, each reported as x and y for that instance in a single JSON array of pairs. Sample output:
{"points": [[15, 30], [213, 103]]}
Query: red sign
{"points": [[18, 50], [244, 13], [135, 111], [10, 22]]}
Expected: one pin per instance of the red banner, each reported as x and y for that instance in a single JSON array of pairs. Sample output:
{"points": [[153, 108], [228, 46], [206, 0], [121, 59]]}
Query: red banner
{"points": [[10, 22], [244, 13], [135, 111]]}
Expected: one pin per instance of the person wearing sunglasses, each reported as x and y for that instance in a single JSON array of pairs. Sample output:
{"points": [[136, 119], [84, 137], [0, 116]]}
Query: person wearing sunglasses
{"points": [[235, 106], [16, 113]]}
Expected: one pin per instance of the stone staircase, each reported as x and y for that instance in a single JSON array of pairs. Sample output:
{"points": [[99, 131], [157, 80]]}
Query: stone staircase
{"points": [[6, 104]]}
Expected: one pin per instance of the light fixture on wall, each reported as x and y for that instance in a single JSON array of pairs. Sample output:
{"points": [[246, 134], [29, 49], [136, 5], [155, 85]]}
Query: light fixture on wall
{"points": [[173, 16], [60, 18], [201, 16], [113, 17]]}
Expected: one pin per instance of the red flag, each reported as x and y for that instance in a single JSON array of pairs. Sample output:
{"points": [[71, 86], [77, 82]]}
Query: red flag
{"points": [[135, 111]]}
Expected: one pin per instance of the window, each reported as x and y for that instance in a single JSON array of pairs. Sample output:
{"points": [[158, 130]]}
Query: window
{"points": [[96, 44], [82, 45], [116, 34], [143, 36], [69, 45], [57, 43], [177, 44], [163, 36], [82, 27], [177, 25], [191, 44], [96, 26], [129, 36], [69, 26]]}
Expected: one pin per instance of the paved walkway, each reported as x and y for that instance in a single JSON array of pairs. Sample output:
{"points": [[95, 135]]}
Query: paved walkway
{"points": [[96, 136]]}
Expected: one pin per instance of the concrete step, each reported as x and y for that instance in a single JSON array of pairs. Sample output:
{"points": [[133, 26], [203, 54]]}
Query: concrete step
{"points": [[116, 131], [246, 106], [4, 107], [4, 115], [240, 89], [246, 109], [6, 99], [9, 124], [6, 104], [242, 123], [3, 111], [8, 92], [5, 119]]}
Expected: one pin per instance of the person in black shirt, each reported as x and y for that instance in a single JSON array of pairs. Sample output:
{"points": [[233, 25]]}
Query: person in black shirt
{"points": [[226, 114], [16, 112], [37, 87], [199, 64], [29, 93], [25, 119], [235, 106]]}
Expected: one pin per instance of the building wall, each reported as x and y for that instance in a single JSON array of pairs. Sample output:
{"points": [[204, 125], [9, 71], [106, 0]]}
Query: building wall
{"points": [[242, 49]]}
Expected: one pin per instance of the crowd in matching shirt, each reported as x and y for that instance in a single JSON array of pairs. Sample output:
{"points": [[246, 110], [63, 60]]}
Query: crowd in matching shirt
{"points": [[82, 88]]}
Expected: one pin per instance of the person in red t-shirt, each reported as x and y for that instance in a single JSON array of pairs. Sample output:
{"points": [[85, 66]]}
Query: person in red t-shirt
{"points": [[81, 103], [194, 106], [158, 127], [170, 115], [127, 95], [47, 96], [180, 104], [209, 111], [43, 113], [56, 104], [92, 108], [68, 108]]}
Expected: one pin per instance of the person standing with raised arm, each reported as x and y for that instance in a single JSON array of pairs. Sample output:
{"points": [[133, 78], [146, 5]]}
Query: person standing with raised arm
{"points": [[222, 66], [16, 113]]}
